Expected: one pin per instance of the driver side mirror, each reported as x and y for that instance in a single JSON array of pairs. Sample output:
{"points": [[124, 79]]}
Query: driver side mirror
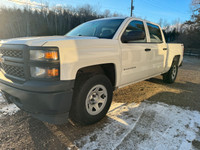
{"points": [[133, 36]]}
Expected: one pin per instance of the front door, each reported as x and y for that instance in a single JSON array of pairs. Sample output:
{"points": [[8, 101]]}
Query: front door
{"points": [[136, 54]]}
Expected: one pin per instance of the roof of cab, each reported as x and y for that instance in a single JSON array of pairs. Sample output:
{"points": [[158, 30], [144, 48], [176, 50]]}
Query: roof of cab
{"points": [[128, 18]]}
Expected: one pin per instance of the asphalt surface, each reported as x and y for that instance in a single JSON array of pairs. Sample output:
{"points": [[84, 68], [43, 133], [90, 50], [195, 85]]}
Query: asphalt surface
{"points": [[146, 115]]}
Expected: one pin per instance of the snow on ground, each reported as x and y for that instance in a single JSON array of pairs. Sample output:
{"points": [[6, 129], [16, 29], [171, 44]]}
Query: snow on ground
{"points": [[7, 109], [1, 99], [144, 127], [10, 109]]}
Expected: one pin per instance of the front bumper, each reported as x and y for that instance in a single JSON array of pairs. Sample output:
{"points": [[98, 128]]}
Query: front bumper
{"points": [[48, 101]]}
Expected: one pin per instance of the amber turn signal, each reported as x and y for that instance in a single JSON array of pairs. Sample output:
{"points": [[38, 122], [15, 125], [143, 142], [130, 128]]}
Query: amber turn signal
{"points": [[51, 55], [53, 72]]}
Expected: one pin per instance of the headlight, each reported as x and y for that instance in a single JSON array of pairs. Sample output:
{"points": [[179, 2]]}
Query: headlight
{"points": [[43, 55], [38, 72]]}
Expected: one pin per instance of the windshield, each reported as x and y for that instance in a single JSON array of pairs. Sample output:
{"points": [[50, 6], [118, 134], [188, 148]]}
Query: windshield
{"points": [[98, 28]]}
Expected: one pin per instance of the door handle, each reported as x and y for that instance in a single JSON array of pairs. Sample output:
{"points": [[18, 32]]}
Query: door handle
{"points": [[147, 49], [164, 49]]}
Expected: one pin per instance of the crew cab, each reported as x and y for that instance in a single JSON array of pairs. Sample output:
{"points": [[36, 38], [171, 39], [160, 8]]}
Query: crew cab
{"points": [[73, 76]]}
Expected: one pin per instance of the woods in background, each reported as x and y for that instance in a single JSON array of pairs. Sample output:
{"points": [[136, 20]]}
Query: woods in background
{"points": [[56, 21], [189, 32], [59, 20]]}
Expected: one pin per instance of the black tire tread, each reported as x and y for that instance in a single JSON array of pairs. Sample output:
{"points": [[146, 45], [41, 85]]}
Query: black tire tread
{"points": [[77, 112], [167, 76]]}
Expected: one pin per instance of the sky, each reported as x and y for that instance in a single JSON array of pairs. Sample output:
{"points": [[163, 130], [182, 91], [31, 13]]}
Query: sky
{"points": [[152, 10]]}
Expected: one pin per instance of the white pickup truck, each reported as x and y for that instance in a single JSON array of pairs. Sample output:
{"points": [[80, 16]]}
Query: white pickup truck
{"points": [[54, 78]]}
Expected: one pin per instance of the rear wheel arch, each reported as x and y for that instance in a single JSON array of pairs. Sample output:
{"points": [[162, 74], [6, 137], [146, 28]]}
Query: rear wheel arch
{"points": [[176, 59]]}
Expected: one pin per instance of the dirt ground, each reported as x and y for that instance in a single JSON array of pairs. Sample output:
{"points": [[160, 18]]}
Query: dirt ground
{"points": [[185, 92], [21, 131]]}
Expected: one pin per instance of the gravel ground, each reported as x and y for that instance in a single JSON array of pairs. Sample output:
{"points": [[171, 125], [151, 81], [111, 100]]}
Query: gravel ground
{"points": [[169, 111]]}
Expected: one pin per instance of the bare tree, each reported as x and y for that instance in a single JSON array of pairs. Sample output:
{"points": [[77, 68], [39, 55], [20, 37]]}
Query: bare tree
{"points": [[44, 20]]}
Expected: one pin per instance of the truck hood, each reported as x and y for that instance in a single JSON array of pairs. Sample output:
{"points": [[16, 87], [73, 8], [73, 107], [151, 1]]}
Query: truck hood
{"points": [[39, 41]]}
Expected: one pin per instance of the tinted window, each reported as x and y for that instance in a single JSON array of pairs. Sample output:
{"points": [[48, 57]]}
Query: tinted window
{"points": [[98, 28], [155, 34], [135, 26]]}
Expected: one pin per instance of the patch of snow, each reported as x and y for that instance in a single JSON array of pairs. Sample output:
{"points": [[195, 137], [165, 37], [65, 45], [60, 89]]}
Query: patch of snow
{"points": [[9, 109], [2, 100], [145, 126]]}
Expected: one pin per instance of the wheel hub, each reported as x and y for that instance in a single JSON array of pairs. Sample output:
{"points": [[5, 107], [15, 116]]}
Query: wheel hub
{"points": [[96, 99], [174, 72]]}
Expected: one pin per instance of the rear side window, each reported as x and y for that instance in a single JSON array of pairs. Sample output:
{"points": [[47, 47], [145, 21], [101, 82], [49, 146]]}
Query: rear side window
{"points": [[154, 32], [135, 26]]}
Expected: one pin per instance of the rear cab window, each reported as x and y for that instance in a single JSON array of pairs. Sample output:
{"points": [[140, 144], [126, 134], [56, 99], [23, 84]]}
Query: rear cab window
{"points": [[155, 33]]}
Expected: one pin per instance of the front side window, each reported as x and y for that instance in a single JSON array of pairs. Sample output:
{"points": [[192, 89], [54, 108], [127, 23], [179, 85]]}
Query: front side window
{"points": [[154, 32], [134, 33], [98, 28]]}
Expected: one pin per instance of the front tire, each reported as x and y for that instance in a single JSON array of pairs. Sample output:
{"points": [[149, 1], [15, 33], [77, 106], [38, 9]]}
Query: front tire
{"points": [[92, 98], [171, 75]]}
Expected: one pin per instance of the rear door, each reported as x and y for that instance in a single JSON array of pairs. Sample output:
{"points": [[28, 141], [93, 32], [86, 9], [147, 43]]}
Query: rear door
{"points": [[158, 48], [136, 57]]}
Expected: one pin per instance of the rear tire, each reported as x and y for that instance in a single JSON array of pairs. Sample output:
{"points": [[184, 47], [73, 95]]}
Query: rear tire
{"points": [[171, 75], [92, 98]]}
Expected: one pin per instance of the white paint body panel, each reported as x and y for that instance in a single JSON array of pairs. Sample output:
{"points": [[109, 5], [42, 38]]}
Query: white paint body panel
{"points": [[132, 63], [173, 50], [76, 54]]}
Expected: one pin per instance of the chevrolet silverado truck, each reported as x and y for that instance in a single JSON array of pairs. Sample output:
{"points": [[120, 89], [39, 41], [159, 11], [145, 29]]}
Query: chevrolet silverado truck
{"points": [[73, 76]]}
